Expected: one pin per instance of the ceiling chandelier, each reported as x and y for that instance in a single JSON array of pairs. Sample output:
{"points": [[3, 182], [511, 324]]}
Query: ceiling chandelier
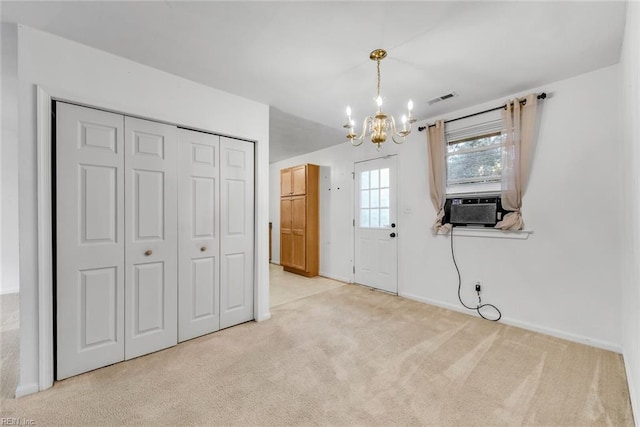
{"points": [[379, 124]]}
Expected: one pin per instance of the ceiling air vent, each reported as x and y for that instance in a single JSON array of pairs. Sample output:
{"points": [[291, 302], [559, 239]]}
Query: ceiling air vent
{"points": [[442, 97]]}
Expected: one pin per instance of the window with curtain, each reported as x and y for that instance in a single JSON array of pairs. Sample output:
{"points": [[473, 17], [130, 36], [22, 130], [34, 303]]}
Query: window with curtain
{"points": [[473, 158]]}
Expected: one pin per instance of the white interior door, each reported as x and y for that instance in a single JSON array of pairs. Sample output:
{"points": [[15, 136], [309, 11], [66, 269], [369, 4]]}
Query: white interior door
{"points": [[376, 226], [89, 239], [198, 208], [236, 231], [151, 237]]}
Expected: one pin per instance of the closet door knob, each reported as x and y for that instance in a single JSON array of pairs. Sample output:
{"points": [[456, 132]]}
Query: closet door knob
{"points": [[148, 252], [202, 249]]}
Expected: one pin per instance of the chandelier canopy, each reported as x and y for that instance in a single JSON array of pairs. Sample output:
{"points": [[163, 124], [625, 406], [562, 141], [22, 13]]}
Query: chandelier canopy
{"points": [[378, 125]]}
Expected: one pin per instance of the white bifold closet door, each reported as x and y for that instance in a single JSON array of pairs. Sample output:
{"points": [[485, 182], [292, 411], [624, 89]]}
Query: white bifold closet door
{"points": [[90, 245], [116, 238], [216, 209], [236, 231], [198, 206], [151, 233], [154, 237]]}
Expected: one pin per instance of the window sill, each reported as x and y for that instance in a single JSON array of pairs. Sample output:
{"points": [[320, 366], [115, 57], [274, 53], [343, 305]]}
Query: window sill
{"points": [[491, 233]]}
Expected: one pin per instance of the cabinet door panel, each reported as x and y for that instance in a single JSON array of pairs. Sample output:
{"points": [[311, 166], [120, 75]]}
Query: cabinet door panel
{"points": [[298, 231], [298, 180], [298, 214], [286, 247], [285, 182], [299, 254]]}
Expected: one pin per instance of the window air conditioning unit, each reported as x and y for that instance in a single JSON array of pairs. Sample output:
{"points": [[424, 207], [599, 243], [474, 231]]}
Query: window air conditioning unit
{"points": [[473, 211]]}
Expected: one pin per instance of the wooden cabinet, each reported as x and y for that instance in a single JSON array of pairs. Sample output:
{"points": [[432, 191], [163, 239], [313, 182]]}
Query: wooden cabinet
{"points": [[293, 181], [299, 219]]}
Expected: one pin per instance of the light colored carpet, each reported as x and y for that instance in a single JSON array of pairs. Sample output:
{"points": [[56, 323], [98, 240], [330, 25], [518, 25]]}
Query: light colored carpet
{"points": [[9, 345], [349, 356]]}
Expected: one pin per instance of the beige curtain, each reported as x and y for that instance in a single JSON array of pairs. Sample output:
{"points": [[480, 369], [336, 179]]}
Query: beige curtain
{"points": [[437, 173], [518, 123]]}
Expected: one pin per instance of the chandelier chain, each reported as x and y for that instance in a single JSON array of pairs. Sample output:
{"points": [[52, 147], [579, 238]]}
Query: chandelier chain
{"points": [[378, 61]]}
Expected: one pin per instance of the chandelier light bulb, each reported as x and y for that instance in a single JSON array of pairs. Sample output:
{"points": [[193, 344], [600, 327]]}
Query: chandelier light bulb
{"points": [[410, 105], [379, 101], [349, 112], [404, 120]]}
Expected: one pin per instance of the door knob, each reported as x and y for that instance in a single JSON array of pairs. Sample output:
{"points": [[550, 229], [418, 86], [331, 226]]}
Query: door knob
{"points": [[392, 234], [148, 252], [393, 225], [202, 249]]}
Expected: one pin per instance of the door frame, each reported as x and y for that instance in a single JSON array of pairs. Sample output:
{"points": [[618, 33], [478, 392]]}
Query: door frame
{"points": [[44, 246], [354, 200]]}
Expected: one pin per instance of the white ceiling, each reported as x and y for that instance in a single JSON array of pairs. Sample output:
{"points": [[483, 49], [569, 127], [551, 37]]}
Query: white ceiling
{"points": [[309, 60]]}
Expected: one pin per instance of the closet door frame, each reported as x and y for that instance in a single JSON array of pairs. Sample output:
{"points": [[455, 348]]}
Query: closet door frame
{"points": [[44, 336]]}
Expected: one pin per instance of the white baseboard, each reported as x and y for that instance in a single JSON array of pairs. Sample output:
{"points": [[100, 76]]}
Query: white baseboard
{"points": [[26, 389], [633, 395], [7, 291], [334, 277], [264, 317], [616, 348]]}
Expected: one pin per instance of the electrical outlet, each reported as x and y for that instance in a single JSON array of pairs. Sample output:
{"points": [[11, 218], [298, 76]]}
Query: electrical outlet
{"points": [[478, 287]]}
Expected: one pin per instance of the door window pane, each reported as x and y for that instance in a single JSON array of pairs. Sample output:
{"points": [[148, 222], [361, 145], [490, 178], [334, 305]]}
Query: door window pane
{"points": [[374, 221], [364, 199], [384, 198], [384, 177], [364, 180], [384, 218], [364, 218], [375, 198], [374, 179]]}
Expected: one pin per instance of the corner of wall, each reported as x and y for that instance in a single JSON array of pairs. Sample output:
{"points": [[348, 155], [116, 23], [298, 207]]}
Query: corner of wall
{"points": [[9, 274], [630, 166]]}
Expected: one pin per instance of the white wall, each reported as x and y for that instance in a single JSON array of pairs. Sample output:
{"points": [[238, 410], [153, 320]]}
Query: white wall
{"points": [[335, 194], [9, 272], [72, 71], [630, 208], [564, 279], [336, 203]]}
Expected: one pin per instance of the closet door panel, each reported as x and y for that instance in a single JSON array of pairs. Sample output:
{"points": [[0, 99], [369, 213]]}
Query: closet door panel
{"points": [[151, 236], [198, 204], [236, 231], [89, 239]]}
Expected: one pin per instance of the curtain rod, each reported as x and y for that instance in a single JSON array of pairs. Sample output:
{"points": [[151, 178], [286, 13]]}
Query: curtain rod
{"points": [[543, 95]]}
